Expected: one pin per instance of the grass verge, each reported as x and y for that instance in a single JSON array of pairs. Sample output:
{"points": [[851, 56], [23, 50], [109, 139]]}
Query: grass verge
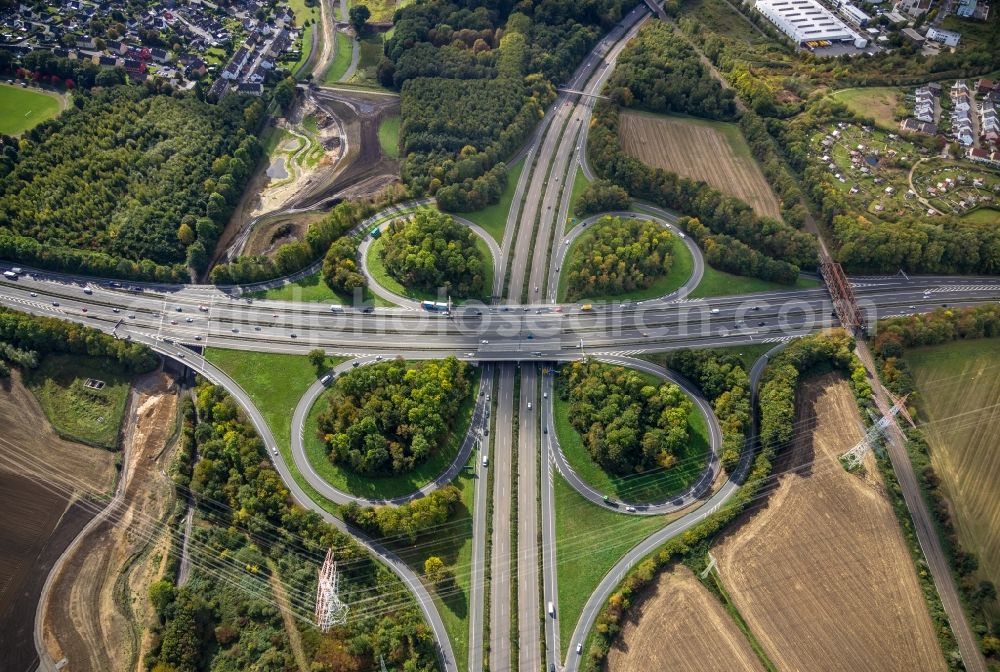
{"points": [[720, 283], [589, 541]]}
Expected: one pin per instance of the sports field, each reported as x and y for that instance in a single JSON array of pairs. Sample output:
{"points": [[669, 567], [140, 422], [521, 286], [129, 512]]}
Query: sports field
{"points": [[711, 151], [22, 109], [960, 407]]}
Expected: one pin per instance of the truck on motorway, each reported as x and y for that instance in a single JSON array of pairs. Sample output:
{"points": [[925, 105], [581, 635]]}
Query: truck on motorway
{"points": [[10, 275], [435, 306]]}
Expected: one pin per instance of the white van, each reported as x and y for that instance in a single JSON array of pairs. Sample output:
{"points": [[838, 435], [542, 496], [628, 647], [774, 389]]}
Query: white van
{"points": [[10, 275], [486, 460], [336, 308], [552, 610]]}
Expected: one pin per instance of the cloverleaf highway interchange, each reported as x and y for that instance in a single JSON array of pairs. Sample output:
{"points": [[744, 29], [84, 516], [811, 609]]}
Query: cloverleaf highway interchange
{"points": [[520, 340]]}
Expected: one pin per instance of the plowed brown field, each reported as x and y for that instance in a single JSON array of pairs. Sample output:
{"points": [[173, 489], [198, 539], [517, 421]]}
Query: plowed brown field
{"points": [[697, 150], [40, 515], [821, 572], [681, 626]]}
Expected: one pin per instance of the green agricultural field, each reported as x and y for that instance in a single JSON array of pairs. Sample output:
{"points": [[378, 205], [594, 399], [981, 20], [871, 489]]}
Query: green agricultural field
{"points": [[720, 283], [655, 486], [22, 109], [679, 273], [382, 277], [959, 411], [884, 104], [77, 412], [494, 217], [388, 136], [589, 541], [383, 487]]}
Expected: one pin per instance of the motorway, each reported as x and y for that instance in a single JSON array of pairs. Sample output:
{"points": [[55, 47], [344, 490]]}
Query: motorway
{"points": [[500, 560], [528, 608]]}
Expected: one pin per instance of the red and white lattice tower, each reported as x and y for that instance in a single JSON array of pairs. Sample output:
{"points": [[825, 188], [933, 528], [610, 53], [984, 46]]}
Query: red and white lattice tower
{"points": [[330, 611]]}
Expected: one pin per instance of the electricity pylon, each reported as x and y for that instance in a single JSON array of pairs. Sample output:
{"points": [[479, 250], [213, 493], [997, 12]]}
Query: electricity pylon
{"points": [[852, 458], [330, 611]]}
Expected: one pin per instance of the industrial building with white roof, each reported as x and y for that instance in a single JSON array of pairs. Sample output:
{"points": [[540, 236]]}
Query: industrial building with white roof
{"points": [[806, 21]]}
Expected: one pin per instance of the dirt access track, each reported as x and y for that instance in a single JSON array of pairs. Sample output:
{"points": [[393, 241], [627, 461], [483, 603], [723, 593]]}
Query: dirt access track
{"points": [[820, 571], [680, 625], [41, 513], [98, 601]]}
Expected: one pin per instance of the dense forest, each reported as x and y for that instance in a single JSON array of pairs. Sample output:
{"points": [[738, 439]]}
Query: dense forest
{"points": [[601, 196], [225, 619], [495, 63], [406, 521], [430, 251], [618, 256], [660, 72], [22, 334], [389, 418], [134, 178], [340, 266], [723, 380], [628, 425]]}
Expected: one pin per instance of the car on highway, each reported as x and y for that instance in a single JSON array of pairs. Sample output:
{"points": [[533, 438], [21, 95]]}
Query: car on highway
{"points": [[189, 319], [484, 342], [88, 290], [529, 405], [84, 309], [293, 335], [545, 395], [761, 324], [197, 337], [55, 303], [579, 648], [178, 309], [34, 293], [486, 460], [131, 316], [274, 451], [715, 311], [355, 364], [116, 310], [630, 509], [326, 379], [487, 397], [203, 309], [234, 329], [10, 275], [175, 322]]}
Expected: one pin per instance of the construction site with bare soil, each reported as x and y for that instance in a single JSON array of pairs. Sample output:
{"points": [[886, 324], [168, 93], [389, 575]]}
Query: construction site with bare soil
{"points": [[819, 570], [325, 150], [679, 625], [42, 511], [96, 609]]}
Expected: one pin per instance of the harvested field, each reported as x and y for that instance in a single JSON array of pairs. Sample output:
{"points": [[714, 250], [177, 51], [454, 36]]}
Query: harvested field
{"points": [[39, 520], [98, 601], [714, 152], [821, 572], [960, 399], [680, 625]]}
